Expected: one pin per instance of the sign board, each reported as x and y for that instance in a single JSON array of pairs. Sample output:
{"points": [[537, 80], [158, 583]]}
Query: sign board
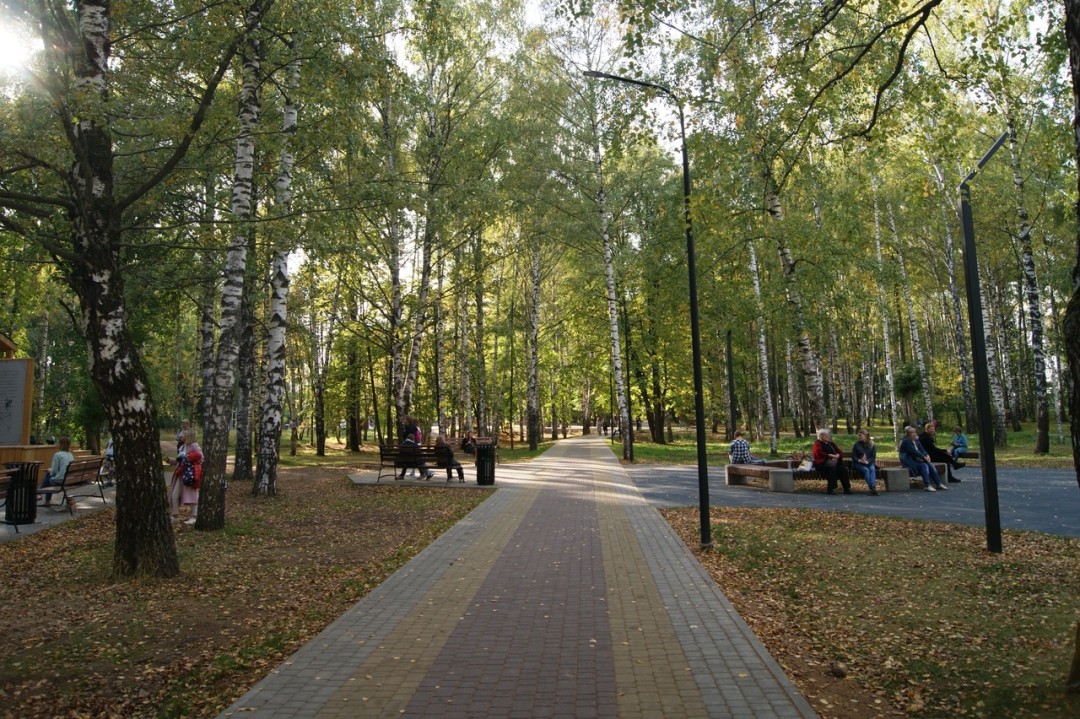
{"points": [[16, 400]]}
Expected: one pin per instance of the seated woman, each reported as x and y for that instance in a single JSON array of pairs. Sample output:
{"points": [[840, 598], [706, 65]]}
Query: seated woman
{"points": [[915, 458], [829, 460], [57, 471], [444, 455], [863, 457], [468, 444]]}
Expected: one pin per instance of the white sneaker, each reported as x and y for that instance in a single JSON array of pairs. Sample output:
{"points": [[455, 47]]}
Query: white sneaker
{"points": [[190, 520], [930, 489], [942, 487]]}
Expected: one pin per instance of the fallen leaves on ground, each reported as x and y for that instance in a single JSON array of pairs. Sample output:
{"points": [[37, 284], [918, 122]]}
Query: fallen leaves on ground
{"points": [[81, 645], [882, 617]]}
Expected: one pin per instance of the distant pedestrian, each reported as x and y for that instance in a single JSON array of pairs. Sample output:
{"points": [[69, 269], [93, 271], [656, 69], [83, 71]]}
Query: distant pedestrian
{"points": [[186, 479], [184, 427]]}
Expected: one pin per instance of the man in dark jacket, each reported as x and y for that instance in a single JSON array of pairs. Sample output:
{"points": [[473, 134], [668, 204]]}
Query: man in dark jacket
{"points": [[928, 439]]}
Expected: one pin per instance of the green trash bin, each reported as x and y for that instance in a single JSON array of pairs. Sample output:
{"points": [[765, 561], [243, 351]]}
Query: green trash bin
{"points": [[485, 463], [21, 501]]}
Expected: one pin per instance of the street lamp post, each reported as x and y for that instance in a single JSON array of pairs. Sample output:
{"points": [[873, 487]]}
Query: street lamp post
{"points": [[695, 332], [987, 462]]}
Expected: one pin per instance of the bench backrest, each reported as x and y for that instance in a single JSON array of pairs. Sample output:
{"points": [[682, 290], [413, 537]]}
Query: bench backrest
{"points": [[82, 471]]}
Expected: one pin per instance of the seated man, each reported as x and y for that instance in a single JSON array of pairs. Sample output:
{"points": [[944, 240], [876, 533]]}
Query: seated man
{"points": [[740, 451], [959, 447], [928, 439], [444, 455], [61, 460]]}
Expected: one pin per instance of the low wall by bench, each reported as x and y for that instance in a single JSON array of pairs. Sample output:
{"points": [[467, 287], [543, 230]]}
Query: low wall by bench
{"points": [[780, 475]]}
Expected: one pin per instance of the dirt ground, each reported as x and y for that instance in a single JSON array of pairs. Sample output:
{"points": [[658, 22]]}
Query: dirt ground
{"points": [[79, 645]]}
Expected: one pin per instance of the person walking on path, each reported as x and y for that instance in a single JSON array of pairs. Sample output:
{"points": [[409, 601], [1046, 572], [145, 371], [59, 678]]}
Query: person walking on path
{"points": [[186, 478]]}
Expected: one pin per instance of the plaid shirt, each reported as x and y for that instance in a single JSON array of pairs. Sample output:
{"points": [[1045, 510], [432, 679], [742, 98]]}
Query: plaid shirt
{"points": [[740, 451]]}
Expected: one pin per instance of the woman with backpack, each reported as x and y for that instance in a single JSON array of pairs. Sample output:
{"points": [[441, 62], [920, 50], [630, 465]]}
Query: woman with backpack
{"points": [[186, 478]]}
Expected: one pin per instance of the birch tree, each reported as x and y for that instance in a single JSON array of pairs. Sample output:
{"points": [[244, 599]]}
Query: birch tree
{"points": [[95, 172], [271, 412], [211, 513]]}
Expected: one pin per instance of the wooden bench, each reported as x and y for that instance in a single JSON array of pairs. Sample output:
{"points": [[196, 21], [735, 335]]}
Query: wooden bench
{"points": [[396, 457], [80, 473], [781, 475], [455, 442]]}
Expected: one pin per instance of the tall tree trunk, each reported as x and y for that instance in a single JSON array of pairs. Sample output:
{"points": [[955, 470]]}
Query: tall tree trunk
{"points": [[245, 370], [533, 396], [793, 390], [995, 378], [483, 424], [612, 306], [207, 334], [216, 432], [883, 309], [913, 324], [808, 361], [763, 350], [1031, 294], [271, 412], [955, 303], [394, 243]]}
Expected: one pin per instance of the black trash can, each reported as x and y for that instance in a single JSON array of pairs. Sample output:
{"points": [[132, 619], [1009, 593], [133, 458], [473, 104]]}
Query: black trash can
{"points": [[485, 463], [21, 506]]}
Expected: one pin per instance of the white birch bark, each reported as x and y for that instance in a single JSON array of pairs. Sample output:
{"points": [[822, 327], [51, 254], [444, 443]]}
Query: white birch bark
{"points": [[207, 312], [269, 448], [792, 388], [1031, 295], [997, 396], [478, 339], [216, 433], [913, 324], [883, 309], [763, 350], [948, 217], [532, 399], [808, 361], [609, 278], [397, 294]]}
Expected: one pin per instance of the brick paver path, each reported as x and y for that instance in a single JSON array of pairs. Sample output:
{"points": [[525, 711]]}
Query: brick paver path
{"points": [[562, 595]]}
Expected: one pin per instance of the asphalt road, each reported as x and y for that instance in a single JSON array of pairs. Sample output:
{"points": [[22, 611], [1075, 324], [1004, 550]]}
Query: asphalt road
{"points": [[1039, 500]]}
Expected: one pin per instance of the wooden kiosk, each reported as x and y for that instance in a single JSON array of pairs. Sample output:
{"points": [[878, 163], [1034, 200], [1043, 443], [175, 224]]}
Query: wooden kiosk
{"points": [[16, 403]]}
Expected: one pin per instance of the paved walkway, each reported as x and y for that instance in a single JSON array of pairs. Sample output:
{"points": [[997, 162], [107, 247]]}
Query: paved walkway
{"points": [[565, 594]]}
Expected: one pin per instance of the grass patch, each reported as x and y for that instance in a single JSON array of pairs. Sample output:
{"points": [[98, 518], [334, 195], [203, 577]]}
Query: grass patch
{"points": [[919, 615]]}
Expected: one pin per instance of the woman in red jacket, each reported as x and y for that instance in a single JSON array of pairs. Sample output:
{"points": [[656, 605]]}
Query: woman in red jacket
{"points": [[829, 460]]}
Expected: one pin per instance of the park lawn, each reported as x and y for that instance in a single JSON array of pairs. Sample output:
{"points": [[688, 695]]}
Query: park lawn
{"points": [[77, 644], [884, 617]]}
